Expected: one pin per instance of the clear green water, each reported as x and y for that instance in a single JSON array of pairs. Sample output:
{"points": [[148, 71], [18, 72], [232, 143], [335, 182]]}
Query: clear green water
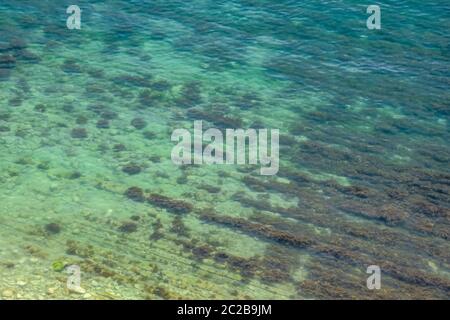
{"points": [[364, 176]]}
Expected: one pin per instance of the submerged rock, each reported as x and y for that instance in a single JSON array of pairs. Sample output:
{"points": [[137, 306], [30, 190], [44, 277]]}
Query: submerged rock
{"points": [[119, 147], [52, 228], [4, 74], [103, 124], [81, 120], [132, 81], [161, 85], [79, 133], [15, 102], [148, 98], [71, 66], [149, 135], [108, 115], [28, 56], [139, 123], [40, 108], [68, 108], [179, 228], [190, 95], [132, 169], [220, 120], [171, 205], [128, 227], [17, 44], [7, 61], [135, 194], [75, 175]]}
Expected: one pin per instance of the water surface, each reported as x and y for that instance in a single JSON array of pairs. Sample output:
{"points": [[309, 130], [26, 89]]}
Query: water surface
{"points": [[86, 176]]}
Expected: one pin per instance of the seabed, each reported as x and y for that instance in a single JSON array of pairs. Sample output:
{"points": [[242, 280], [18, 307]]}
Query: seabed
{"points": [[86, 176]]}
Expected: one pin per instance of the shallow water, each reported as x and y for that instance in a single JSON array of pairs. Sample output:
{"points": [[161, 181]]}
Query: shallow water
{"points": [[364, 158]]}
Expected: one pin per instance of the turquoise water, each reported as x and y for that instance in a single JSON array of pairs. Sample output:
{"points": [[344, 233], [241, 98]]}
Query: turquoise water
{"points": [[86, 176]]}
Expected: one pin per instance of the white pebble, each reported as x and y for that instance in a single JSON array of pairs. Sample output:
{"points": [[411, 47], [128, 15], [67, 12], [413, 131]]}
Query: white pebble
{"points": [[7, 293]]}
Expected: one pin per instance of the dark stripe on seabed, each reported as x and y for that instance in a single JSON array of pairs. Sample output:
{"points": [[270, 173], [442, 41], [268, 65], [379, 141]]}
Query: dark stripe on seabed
{"points": [[340, 224], [269, 233], [334, 246], [361, 201]]}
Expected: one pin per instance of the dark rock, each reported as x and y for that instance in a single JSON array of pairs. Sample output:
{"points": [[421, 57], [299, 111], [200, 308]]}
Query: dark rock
{"points": [[52, 228], [15, 102], [43, 166], [171, 205], [68, 108], [28, 56], [148, 98], [97, 108], [161, 85], [4, 74], [7, 61], [103, 124], [131, 81], [79, 133], [132, 169], [81, 120], [128, 227], [182, 180], [139, 123], [40, 108], [108, 115], [119, 147], [190, 95], [214, 116], [155, 159], [135, 194], [75, 175], [17, 44], [5, 116], [149, 135], [179, 228], [71, 66], [210, 189]]}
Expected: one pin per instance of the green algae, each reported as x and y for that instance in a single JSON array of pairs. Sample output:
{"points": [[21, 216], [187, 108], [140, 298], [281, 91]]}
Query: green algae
{"points": [[85, 141]]}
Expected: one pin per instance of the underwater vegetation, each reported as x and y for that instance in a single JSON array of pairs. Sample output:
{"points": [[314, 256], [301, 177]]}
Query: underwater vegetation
{"points": [[139, 123], [128, 227], [79, 133], [132, 169], [86, 176], [171, 205], [135, 194], [52, 228]]}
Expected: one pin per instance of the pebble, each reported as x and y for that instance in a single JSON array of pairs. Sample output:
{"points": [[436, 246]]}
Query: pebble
{"points": [[51, 290], [7, 293], [21, 283], [79, 290]]}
